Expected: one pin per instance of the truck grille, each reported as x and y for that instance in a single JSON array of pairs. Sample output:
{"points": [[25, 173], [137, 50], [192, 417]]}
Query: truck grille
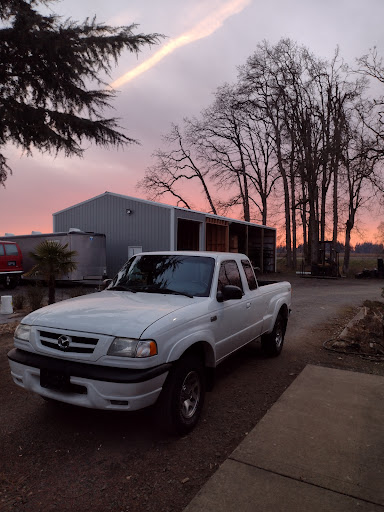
{"points": [[68, 344]]}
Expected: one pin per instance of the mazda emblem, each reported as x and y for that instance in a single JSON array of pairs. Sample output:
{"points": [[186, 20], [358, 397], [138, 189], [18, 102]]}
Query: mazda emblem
{"points": [[64, 342]]}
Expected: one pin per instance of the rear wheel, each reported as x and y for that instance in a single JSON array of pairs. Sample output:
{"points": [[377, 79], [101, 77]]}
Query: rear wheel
{"points": [[272, 343], [182, 398]]}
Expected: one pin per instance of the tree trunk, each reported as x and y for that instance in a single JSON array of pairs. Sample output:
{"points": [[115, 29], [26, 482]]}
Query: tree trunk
{"points": [[288, 241], [207, 194], [287, 207], [313, 225], [347, 250], [304, 223], [322, 213], [247, 214], [294, 234], [335, 204], [51, 289], [265, 209]]}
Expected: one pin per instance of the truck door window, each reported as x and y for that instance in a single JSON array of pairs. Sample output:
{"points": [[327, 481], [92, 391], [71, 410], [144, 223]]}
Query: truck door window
{"points": [[250, 275], [1, 250], [229, 274]]}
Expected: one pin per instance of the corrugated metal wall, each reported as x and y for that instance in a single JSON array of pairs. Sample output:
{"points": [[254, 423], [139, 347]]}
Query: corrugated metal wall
{"points": [[131, 222], [147, 226]]}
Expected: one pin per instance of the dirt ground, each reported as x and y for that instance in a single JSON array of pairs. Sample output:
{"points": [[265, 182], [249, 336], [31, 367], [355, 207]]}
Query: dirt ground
{"points": [[66, 458]]}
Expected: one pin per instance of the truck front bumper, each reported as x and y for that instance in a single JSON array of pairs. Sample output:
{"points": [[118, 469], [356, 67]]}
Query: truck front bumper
{"points": [[93, 386]]}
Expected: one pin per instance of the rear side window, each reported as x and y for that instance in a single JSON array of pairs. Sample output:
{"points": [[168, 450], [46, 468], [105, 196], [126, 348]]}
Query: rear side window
{"points": [[1, 250], [11, 250], [229, 274], [250, 275]]}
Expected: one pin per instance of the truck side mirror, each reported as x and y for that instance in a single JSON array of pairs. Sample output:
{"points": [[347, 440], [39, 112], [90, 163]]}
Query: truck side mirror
{"points": [[229, 292]]}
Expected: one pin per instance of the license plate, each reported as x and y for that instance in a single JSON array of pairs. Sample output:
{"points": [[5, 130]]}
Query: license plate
{"points": [[11, 263], [58, 381]]}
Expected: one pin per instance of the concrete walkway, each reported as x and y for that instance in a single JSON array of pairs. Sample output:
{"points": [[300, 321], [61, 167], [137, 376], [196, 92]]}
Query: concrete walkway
{"points": [[319, 448]]}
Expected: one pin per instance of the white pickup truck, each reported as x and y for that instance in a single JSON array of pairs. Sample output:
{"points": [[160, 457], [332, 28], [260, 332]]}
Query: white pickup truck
{"points": [[155, 335]]}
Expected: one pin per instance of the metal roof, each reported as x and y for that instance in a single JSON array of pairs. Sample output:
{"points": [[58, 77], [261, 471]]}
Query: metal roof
{"points": [[162, 205]]}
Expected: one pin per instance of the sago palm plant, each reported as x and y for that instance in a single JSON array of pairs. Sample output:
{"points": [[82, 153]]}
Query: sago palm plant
{"points": [[52, 261]]}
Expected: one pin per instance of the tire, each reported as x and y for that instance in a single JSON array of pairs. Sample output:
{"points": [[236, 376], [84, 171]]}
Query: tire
{"points": [[182, 398], [272, 343], [11, 282]]}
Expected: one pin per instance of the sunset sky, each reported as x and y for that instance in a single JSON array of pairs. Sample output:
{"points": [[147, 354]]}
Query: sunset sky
{"points": [[206, 41]]}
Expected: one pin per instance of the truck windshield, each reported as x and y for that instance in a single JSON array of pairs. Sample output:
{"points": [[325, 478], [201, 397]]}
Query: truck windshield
{"points": [[178, 274]]}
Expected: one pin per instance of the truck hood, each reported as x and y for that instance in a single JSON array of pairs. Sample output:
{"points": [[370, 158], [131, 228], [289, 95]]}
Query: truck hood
{"points": [[113, 313]]}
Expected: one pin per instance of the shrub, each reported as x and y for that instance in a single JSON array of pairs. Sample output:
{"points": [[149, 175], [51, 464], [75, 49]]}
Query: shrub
{"points": [[52, 260], [35, 296], [18, 301]]}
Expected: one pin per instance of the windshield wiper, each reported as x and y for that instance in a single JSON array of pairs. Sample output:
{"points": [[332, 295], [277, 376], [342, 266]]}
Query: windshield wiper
{"points": [[174, 292], [156, 289], [123, 288]]}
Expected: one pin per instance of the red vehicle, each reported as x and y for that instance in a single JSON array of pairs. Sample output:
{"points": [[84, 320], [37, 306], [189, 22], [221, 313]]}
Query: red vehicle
{"points": [[11, 264]]}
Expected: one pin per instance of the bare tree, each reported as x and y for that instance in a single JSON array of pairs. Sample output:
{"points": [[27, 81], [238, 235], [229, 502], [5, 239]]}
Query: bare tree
{"points": [[261, 164], [371, 65], [218, 136], [262, 83], [236, 145], [307, 103], [229, 147], [173, 168], [359, 175], [293, 123]]}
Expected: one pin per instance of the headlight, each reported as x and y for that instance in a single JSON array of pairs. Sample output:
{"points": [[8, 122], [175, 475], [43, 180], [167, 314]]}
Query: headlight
{"points": [[22, 332], [127, 347]]}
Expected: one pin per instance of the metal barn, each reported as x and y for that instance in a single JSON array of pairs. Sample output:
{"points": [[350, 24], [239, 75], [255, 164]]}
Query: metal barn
{"points": [[132, 225]]}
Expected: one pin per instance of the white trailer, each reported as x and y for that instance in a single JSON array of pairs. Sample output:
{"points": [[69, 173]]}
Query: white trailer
{"points": [[90, 249]]}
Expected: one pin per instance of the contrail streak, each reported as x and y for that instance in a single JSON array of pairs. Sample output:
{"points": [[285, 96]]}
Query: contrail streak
{"points": [[204, 28]]}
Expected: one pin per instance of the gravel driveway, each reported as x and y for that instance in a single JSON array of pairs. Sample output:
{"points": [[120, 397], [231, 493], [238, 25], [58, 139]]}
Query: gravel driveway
{"points": [[65, 458]]}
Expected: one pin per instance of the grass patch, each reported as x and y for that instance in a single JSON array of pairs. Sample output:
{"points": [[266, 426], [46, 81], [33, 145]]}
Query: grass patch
{"points": [[357, 263]]}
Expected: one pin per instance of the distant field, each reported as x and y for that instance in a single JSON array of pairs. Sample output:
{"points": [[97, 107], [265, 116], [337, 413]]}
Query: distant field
{"points": [[357, 263]]}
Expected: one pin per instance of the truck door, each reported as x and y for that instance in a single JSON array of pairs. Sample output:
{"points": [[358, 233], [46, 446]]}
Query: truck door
{"points": [[256, 304], [231, 325]]}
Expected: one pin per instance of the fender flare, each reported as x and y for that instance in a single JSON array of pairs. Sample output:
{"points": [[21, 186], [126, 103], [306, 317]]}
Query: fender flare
{"points": [[202, 339]]}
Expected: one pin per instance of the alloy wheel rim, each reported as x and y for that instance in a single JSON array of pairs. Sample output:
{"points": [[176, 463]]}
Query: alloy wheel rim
{"points": [[190, 395], [279, 335]]}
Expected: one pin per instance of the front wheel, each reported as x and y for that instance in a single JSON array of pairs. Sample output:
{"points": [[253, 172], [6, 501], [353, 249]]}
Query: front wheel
{"points": [[272, 343], [182, 397]]}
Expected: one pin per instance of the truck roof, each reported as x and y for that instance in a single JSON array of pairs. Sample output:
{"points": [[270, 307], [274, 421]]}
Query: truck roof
{"points": [[209, 254]]}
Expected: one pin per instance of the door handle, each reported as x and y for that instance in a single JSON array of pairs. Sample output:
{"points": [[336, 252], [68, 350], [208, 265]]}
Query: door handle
{"points": [[248, 305]]}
